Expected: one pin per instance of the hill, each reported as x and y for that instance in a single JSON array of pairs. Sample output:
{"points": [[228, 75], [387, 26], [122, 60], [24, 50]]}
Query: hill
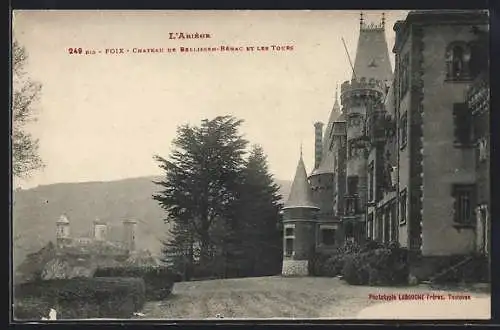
{"points": [[36, 210]]}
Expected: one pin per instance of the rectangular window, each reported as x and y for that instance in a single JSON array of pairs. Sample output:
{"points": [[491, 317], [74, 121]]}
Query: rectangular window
{"points": [[463, 195], [351, 149], [370, 225], [352, 185], [402, 206], [403, 130], [463, 124], [289, 247], [483, 151], [387, 224], [371, 181], [379, 227], [394, 222], [289, 231], [328, 236], [405, 74]]}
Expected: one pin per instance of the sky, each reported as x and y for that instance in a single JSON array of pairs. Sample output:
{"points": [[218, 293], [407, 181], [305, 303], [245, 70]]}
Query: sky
{"points": [[102, 117]]}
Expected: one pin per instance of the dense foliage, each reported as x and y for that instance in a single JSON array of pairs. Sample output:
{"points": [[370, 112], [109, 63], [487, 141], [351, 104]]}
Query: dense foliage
{"points": [[159, 281], [79, 298], [224, 208], [372, 263], [25, 92]]}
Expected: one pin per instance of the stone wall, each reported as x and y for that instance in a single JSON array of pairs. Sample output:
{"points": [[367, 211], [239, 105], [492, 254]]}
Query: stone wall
{"points": [[295, 268], [444, 164]]}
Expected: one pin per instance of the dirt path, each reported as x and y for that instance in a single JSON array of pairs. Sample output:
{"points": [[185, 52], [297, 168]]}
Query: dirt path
{"points": [[269, 297]]}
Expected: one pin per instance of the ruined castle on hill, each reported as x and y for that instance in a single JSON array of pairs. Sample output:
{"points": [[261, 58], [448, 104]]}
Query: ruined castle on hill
{"points": [[99, 242], [71, 257]]}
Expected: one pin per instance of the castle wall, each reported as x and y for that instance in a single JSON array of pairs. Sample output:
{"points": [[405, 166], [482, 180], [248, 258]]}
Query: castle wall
{"points": [[404, 154], [445, 164], [322, 194]]}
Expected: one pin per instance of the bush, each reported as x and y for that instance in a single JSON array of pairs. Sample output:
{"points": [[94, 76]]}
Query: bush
{"points": [[370, 245], [381, 266], [317, 264], [348, 248], [159, 280], [354, 271], [79, 298]]}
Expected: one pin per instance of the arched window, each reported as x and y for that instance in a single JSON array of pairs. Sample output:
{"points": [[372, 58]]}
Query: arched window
{"points": [[458, 57]]}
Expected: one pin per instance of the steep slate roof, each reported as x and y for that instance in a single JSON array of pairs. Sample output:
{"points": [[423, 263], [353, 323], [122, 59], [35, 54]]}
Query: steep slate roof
{"points": [[300, 192], [326, 164], [372, 54]]}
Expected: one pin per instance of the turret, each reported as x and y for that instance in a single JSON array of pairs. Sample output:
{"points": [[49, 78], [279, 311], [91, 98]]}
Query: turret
{"points": [[322, 177], [362, 100], [299, 221], [100, 230], [129, 228], [62, 229]]}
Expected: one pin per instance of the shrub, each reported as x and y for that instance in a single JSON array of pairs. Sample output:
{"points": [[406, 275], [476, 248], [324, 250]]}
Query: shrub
{"points": [[80, 298], [317, 264], [354, 271], [334, 264], [159, 280], [370, 245], [348, 248], [382, 266]]}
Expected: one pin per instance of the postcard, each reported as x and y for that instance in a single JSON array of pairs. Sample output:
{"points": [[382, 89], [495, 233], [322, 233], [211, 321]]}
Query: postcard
{"points": [[250, 165]]}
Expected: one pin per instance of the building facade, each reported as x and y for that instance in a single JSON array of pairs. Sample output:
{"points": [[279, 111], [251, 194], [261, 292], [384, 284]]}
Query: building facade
{"points": [[406, 157]]}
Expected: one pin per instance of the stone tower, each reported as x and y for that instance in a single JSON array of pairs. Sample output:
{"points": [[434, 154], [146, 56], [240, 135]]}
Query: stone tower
{"points": [[62, 229], [321, 178], [299, 222], [360, 97], [100, 230], [323, 184], [129, 227]]}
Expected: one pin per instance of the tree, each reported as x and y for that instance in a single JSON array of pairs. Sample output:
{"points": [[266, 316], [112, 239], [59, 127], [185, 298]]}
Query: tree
{"points": [[259, 208], [201, 177], [25, 157], [178, 252]]}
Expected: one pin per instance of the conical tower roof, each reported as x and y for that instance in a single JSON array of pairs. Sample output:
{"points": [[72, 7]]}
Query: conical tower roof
{"points": [[372, 53], [326, 165], [300, 193]]}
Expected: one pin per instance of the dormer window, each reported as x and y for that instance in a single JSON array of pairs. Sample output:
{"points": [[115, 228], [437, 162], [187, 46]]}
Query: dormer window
{"points": [[458, 56]]}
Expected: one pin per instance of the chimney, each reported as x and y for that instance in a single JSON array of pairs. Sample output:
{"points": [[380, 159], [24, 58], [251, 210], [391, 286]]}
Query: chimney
{"points": [[318, 143]]}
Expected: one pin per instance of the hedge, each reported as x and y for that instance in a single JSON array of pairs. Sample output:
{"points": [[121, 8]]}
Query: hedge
{"points": [[159, 280], [79, 298], [381, 266]]}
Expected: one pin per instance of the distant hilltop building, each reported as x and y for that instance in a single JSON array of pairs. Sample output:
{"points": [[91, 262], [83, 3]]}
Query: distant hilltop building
{"points": [[406, 157], [73, 257], [99, 241]]}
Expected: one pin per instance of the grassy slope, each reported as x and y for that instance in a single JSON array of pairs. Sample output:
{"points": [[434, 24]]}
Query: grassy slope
{"points": [[271, 297]]}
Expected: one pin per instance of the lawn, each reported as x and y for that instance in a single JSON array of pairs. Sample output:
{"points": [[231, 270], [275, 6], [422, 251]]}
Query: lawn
{"points": [[271, 297]]}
